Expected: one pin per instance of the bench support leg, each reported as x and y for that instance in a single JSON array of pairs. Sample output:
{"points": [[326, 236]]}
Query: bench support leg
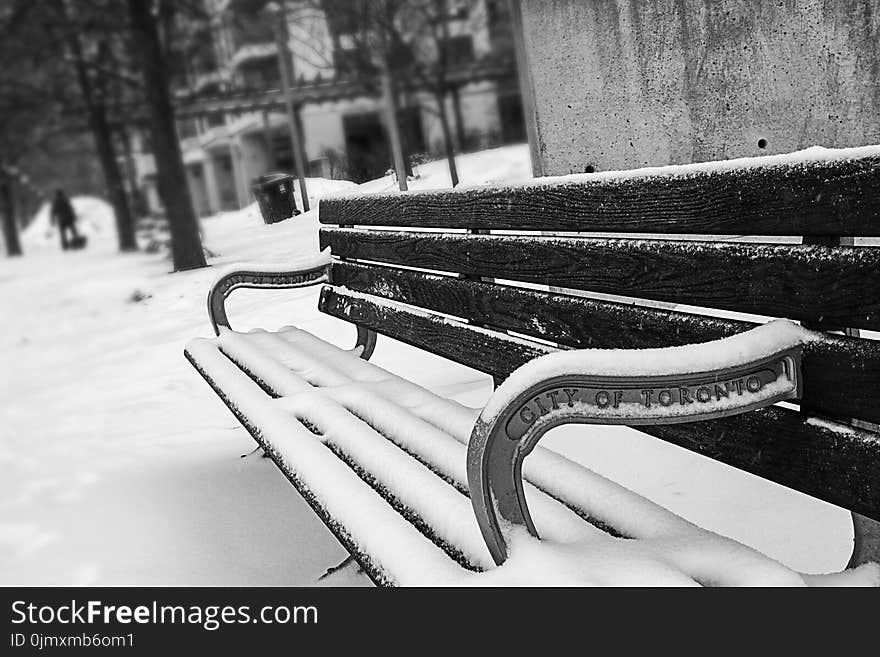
{"points": [[366, 341], [866, 541]]}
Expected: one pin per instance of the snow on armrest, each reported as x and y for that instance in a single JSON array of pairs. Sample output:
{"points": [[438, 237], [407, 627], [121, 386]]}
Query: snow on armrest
{"points": [[302, 263], [689, 383], [732, 359]]}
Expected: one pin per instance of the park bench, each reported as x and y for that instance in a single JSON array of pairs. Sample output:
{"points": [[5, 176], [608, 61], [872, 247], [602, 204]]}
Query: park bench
{"points": [[554, 289]]}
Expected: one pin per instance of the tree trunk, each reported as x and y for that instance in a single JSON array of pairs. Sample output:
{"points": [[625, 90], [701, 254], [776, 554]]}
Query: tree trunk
{"points": [[112, 177], [186, 243], [10, 228], [285, 66], [459, 120], [447, 138], [97, 113], [270, 143], [389, 100], [130, 172]]}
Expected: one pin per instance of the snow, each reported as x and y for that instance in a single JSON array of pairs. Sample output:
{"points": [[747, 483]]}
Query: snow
{"points": [[663, 549], [494, 166], [812, 156], [692, 558], [95, 221], [805, 157], [740, 349], [325, 410], [121, 466], [841, 429], [303, 262], [346, 497]]}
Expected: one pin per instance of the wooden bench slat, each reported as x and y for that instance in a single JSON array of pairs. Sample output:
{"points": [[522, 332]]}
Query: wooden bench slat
{"points": [[298, 347], [842, 374], [841, 466], [594, 498], [815, 198], [370, 439], [471, 346], [838, 285], [580, 495], [349, 507]]}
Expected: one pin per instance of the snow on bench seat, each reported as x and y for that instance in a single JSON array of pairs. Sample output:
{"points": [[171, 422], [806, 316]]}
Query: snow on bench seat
{"points": [[383, 463]]}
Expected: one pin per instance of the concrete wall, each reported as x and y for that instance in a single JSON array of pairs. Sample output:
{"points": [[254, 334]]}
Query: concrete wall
{"points": [[629, 83]]}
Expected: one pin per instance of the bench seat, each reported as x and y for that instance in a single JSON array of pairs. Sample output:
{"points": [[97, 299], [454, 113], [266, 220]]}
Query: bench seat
{"points": [[382, 461]]}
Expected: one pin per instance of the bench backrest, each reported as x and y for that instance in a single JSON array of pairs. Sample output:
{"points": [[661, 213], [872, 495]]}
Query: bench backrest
{"points": [[493, 277]]}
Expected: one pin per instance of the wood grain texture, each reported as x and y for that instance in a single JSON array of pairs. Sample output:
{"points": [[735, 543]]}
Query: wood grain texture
{"points": [[841, 467], [819, 198], [468, 345], [842, 374], [839, 284]]}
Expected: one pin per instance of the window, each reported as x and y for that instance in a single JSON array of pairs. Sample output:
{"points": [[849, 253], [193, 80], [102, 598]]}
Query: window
{"points": [[349, 62], [260, 73], [459, 9], [513, 124], [146, 142], [500, 28], [252, 26], [459, 50], [497, 12], [345, 16], [187, 128]]}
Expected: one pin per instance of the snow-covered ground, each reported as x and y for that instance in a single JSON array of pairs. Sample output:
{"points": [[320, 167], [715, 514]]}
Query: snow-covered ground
{"points": [[95, 222], [120, 466]]}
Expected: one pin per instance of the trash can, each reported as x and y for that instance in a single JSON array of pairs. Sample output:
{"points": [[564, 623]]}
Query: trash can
{"points": [[274, 193]]}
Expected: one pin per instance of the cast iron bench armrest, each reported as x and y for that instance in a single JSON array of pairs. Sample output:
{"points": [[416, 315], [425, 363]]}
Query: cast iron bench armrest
{"points": [[262, 278], [526, 407]]}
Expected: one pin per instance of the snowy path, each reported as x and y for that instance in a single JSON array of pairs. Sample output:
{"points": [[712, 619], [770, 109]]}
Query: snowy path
{"points": [[120, 466]]}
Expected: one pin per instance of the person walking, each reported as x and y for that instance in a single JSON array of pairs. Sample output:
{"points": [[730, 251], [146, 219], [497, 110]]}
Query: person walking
{"points": [[64, 215]]}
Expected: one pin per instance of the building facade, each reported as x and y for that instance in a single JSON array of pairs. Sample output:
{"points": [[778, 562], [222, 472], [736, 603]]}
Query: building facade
{"points": [[231, 115]]}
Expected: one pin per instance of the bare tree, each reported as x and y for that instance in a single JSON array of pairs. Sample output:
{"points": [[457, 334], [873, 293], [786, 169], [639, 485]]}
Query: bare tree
{"points": [[434, 68], [278, 12], [186, 245], [438, 56], [377, 52], [10, 229], [411, 46], [92, 73], [56, 87], [25, 103], [93, 81]]}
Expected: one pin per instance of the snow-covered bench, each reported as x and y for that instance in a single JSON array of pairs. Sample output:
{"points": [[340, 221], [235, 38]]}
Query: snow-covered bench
{"points": [[389, 466]]}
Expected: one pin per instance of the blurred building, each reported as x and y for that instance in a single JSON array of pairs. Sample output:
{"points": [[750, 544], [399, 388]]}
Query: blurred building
{"points": [[231, 112]]}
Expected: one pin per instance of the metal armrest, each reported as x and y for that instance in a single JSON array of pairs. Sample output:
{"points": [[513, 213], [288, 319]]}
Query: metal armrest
{"points": [[224, 286], [313, 273], [542, 395]]}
